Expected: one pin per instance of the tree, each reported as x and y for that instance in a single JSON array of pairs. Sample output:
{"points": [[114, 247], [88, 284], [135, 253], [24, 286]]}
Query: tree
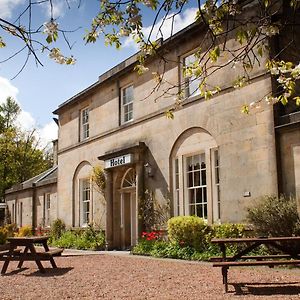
{"points": [[254, 24], [20, 156]]}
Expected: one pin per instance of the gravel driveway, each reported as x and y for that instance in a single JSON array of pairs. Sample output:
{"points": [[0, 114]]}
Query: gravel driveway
{"points": [[130, 277]]}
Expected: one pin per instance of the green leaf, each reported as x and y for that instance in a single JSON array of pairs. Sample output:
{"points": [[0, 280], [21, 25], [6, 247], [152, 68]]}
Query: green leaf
{"points": [[283, 99], [297, 99], [214, 54], [266, 3], [49, 39], [2, 44], [169, 114], [245, 109]]}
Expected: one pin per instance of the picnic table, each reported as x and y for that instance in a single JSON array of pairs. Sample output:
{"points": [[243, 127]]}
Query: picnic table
{"points": [[29, 252], [286, 255]]}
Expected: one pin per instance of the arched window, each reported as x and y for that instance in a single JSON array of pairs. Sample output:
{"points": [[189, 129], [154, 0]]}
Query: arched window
{"points": [[195, 165], [129, 179]]}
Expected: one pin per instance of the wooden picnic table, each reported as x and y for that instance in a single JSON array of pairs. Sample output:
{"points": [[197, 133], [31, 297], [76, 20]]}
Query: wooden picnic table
{"points": [[286, 255], [29, 253]]}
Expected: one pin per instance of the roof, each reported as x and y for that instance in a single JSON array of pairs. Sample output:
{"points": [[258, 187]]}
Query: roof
{"points": [[45, 178]]}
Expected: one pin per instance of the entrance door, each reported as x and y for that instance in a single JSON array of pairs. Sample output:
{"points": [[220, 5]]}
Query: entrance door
{"points": [[128, 210]]}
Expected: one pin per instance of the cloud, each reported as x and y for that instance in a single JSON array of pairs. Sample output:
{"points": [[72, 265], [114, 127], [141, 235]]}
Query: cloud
{"points": [[7, 89], [7, 7], [168, 28], [46, 133], [59, 8]]}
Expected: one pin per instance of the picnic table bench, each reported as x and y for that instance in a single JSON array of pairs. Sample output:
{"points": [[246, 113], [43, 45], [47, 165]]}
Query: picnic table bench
{"points": [[285, 257], [29, 253]]}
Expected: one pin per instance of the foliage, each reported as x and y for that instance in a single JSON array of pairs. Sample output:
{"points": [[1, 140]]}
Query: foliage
{"points": [[98, 179], [275, 216], [250, 25], [88, 238], [152, 244], [25, 231], [58, 227], [188, 231], [11, 229], [153, 213], [3, 235], [20, 156]]}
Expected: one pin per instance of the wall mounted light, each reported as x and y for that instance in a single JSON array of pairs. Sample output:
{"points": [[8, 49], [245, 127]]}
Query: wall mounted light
{"points": [[148, 169]]}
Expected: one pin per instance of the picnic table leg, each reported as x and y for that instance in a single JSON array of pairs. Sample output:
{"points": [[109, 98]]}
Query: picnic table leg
{"points": [[51, 258], [37, 260], [21, 260], [225, 273], [8, 258]]}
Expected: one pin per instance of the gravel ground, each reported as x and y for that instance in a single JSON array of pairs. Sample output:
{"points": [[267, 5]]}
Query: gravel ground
{"points": [[131, 277]]}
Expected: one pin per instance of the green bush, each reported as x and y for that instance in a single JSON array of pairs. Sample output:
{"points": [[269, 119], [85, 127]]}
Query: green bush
{"points": [[58, 227], [25, 231], [3, 235], [188, 231], [89, 238], [11, 229], [273, 216]]}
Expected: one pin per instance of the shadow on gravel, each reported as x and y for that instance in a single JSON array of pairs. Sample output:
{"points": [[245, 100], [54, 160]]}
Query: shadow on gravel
{"points": [[50, 272], [265, 289], [14, 272]]}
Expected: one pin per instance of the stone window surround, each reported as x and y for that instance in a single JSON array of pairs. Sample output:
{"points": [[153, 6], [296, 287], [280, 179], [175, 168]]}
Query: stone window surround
{"points": [[128, 104], [182, 207], [184, 82], [84, 123]]}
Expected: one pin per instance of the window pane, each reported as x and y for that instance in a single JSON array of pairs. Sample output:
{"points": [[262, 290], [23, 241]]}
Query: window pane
{"points": [[199, 211], [192, 210], [196, 162], [197, 178], [189, 163], [190, 179], [203, 177], [199, 196], [191, 196]]}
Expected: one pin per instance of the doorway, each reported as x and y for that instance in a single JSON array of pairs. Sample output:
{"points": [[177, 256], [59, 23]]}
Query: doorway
{"points": [[128, 211]]}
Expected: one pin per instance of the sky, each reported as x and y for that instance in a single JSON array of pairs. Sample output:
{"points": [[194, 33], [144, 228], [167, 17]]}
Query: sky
{"points": [[39, 90]]}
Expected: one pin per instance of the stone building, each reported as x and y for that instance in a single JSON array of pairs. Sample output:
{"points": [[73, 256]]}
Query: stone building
{"points": [[210, 160], [34, 201]]}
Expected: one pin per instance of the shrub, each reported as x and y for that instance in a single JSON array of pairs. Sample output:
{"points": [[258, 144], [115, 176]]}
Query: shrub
{"points": [[188, 231], [274, 216], [25, 231], [58, 227], [89, 238], [11, 229], [3, 235]]}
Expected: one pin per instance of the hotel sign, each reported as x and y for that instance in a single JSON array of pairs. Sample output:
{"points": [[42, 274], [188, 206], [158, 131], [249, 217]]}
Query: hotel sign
{"points": [[118, 161]]}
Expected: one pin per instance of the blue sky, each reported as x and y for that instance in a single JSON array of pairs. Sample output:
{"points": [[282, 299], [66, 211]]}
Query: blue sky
{"points": [[39, 90]]}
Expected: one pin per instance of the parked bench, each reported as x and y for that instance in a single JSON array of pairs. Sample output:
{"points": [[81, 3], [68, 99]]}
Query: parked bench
{"points": [[29, 252], [270, 263], [241, 259]]}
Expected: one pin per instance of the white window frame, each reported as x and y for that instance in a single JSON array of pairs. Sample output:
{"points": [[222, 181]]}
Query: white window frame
{"points": [[181, 200], [47, 204], [215, 166], [86, 201], [187, 81], [176, 185], [84, 123], [126, 108], [200, 187]]}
